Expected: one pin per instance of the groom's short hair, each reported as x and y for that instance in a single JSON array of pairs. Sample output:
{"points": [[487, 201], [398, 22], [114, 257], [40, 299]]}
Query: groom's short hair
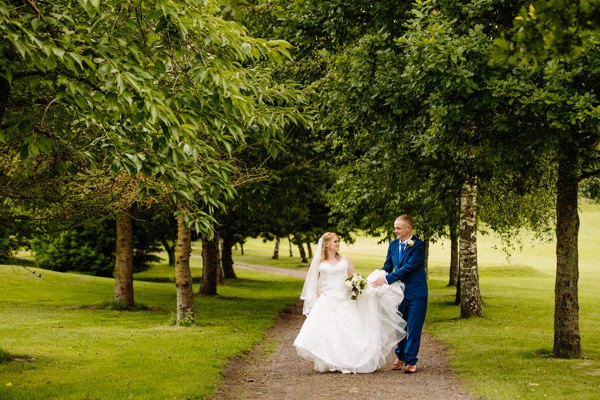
{"points": [[406, 219]]}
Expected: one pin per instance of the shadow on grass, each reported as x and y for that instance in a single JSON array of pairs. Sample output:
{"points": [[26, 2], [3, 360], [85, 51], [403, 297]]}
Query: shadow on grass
{"points": [[24, 264], [510, 271], [5, 356], [238, 282], [539, 353], [160, 279], [115, 306]]}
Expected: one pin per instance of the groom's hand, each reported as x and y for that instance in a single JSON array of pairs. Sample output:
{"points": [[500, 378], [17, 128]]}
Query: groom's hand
{"points": [[379, 282]]}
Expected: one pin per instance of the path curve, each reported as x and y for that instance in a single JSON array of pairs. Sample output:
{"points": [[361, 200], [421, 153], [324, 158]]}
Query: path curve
{"points": [[273, 370], [296, 273]]}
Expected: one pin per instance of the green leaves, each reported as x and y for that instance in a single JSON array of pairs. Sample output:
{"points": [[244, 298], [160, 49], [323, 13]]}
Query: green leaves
{"points": [[164, 89], [90, 6], [551, 29]]}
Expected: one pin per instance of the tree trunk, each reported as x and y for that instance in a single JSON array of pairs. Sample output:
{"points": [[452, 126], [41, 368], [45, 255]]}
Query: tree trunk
{"points": [[124, 260], [567, 342], [210, 266], [457, 293], [227, 257], [454, 230], [170, 249], [427, 257], [309, 248], [276, 249], [4, 97], [290, 244], [183, 273], [470, 297], [220, 273], [302, 253]]}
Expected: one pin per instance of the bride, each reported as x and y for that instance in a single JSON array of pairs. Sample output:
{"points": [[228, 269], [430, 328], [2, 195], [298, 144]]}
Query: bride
{"points": [[339, 333]]}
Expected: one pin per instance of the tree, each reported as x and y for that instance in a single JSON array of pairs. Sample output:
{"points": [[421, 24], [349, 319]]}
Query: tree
{"points": [[419, 123], [124, 263], [470, 296], [211, 266], [555, 46], [163, 90], [156, 224], [183, 274]]}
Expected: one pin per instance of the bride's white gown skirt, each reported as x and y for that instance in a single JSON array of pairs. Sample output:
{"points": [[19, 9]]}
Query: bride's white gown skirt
{"points": [[351, 336]]}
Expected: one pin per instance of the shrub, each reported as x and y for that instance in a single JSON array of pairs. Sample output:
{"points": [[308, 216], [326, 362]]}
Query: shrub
{"points": [[90, 250]]}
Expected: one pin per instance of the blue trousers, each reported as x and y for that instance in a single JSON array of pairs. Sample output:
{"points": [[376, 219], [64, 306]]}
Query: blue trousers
{"points": [[413, 312]]}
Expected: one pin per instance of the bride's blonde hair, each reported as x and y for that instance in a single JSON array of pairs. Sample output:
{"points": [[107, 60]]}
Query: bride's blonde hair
{"points": [[327, 237]]}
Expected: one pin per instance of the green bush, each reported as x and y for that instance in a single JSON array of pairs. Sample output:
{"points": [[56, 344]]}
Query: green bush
{"points": [[12, 231], [91, 250], [7, 246]]}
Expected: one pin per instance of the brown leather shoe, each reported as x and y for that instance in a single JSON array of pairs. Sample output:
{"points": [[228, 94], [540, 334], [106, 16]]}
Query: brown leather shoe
{"points": [[398, 365], [410, 369]]}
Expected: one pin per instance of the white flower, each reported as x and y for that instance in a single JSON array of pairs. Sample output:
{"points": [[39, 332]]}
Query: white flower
{"points": [[410, 243], [357, 283]]}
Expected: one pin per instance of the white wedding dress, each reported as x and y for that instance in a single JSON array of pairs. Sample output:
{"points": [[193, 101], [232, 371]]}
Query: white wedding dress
{"points": [[351, 336]]}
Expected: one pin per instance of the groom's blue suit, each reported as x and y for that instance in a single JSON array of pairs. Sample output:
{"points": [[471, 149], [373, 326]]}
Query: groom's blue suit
{"points": [[409, 269]]}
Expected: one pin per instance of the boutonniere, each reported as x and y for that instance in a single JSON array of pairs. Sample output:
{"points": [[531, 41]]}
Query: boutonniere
{"points": [[410, 243]]}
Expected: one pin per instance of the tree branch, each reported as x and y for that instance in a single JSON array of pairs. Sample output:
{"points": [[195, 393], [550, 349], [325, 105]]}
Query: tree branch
{"points": [[37, 11]]}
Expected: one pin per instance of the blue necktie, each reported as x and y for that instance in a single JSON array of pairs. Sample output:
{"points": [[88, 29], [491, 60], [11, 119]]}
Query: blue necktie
{"points": [[402, 249]]}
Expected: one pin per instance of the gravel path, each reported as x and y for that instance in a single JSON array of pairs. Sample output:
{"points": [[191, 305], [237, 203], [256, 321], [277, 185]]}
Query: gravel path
{"points": [[273, 371]]}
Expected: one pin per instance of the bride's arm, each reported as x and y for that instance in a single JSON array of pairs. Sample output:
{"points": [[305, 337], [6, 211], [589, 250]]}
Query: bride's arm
{"points": [[351, 268], [318, 285]]}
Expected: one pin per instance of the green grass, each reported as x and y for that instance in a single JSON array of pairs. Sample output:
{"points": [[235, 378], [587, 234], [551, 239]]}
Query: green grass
{"points": [[70, 346], [507, 354], [67, 347]]}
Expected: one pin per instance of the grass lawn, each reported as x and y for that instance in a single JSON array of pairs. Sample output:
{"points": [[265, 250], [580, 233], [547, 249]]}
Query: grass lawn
{"points": [[507, 353], [70, 345]]}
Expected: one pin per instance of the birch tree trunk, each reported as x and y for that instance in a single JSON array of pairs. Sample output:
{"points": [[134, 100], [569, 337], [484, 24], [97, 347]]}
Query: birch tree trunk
{"points": [[218, 265], [470, 297], [124, 260], [567, 342], [454, 231], [183, 273]]}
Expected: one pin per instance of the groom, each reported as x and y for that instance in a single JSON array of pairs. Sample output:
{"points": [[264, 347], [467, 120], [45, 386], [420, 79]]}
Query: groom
{"points": [[405, 261]]}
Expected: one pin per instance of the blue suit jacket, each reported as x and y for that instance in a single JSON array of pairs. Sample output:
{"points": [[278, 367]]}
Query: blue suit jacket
{"points": [[410, 269]]}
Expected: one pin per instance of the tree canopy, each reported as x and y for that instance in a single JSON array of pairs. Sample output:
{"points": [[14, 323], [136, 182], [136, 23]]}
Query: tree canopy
{"points": [[160, 90]]}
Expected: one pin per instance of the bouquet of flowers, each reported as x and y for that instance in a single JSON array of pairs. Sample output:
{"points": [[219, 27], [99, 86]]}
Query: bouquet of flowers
{"points": [[357, 283]]}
